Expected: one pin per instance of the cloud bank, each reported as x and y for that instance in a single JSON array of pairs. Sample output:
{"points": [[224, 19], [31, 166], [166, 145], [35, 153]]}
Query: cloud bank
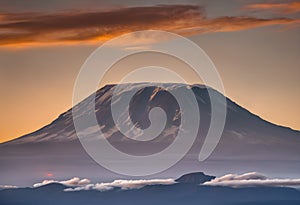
{"points": [[74, 27], [250, 180], [75, 181], [123, 184], [77, 184]]}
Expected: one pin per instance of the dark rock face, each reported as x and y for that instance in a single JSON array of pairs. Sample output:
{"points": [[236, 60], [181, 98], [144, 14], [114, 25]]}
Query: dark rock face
{"points": [[195, 178]]}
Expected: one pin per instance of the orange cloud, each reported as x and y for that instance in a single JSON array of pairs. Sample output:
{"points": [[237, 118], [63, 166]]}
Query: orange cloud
{"points": [[285, 8], [230, 24], [75, 27]]}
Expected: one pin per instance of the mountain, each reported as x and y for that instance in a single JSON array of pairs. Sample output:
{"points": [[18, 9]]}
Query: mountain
{"points": [[195, 178], [248, 143]]}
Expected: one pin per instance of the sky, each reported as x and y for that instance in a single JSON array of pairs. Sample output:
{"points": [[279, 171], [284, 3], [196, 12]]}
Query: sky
{"points": [[43, 44]]}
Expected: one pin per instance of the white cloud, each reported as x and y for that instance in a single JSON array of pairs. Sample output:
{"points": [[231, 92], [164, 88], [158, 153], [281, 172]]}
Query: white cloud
{"points": [[251, 179], [233, 180], [123, 184], [8, 187], [77, 184], [75, 181]]}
